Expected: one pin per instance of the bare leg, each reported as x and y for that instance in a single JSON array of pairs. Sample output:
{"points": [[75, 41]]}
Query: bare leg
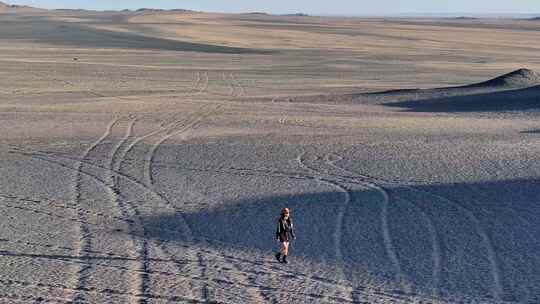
{"points": [[285, 248]]}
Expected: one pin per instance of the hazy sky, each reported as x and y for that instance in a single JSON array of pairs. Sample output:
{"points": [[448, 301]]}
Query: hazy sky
{"points": [[341, 7]]}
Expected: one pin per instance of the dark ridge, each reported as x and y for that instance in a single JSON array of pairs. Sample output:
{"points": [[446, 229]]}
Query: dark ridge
{"points": [[15, 6], [517, 79], [536, 131], [256, 14], [397, 91], [535, 19], [296, 15], [158, 10], [464, 18]]}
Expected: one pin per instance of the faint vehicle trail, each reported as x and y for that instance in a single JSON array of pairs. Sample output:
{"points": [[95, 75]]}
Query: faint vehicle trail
{"points": [[138, 296], [387, 239], [384, 220], [229, 83], [149, 181], [238, 85], [109, 182], [390, 248], [85, 240], [435, 242], [148, 169], [141, 282], [196, 84], [64, 205], [497, 291], [235, 88], [105, 292], [144, 272], [340, 214], [435, 247], [149, 157], [203, 87]]}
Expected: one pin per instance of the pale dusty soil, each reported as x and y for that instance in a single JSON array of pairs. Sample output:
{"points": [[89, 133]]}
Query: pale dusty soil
{"points": [[144, 159]]}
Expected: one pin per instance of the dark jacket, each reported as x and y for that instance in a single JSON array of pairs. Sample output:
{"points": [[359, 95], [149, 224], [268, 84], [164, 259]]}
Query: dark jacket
{"points": [[285, 231]]}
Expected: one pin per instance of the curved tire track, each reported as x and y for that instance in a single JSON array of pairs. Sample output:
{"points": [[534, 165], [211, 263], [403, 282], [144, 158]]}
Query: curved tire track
{"points": [[341, 214], [497, 291], [85, 241]]}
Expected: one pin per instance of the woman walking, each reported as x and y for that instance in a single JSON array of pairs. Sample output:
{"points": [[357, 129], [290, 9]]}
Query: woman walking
{"points": [[284, 233]]}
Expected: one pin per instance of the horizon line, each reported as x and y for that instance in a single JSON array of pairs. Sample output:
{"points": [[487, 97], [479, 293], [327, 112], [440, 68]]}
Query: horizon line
{"points": [[400, 14]]}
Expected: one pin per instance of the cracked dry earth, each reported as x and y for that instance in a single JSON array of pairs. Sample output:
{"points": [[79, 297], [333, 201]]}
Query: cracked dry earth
{"points": [[152, 168]]}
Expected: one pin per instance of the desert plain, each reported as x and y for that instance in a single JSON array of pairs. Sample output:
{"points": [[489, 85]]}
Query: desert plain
{"points": [[145, 157]]}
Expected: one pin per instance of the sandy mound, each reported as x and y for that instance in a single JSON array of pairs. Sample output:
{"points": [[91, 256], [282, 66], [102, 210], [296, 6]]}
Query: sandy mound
{"points": [[518, 79], [521, 78]]}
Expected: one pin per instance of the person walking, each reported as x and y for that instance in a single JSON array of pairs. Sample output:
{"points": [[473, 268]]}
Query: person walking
{"points": [[284, 233]]}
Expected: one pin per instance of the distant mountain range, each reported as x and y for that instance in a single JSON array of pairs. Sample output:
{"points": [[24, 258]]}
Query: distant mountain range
{"points": [[9, 8]]}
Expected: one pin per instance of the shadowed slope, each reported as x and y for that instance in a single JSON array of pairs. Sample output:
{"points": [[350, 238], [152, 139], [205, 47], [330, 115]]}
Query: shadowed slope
{"points": [[521, 78], [515, 82], [512, 100], [41, 30]]}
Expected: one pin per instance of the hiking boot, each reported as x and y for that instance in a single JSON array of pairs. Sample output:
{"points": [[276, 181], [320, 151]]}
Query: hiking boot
{"points": [[284, 260], [278, 256]]}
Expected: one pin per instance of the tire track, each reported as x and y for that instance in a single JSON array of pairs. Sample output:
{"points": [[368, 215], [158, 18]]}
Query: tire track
{"points": [[105, 292], [238, 85], [389, 246], [497, 291], [144, 272], [435, 247], [387, 237], [149, 158], [196, 84], [235, 88], [229, 83], [308, 277], [103, 254], [254, 289], [339, 221], [435, 242], [66, 206], [141, 282], [148, 180], [203, 83], [85, 240]]}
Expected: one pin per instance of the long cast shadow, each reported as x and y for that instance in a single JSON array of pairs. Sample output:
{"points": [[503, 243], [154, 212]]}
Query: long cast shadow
{"points": [[469, 220], [511, 100], [41, 30]]}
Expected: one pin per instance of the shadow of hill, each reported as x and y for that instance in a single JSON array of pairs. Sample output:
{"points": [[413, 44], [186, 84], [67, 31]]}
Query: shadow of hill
{"points": [[449, 223], [518, 79], [71, 34], [510, 100]]}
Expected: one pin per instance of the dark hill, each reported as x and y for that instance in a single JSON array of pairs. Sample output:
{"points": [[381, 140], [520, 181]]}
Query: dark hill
{"points": [[521, 78]]}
